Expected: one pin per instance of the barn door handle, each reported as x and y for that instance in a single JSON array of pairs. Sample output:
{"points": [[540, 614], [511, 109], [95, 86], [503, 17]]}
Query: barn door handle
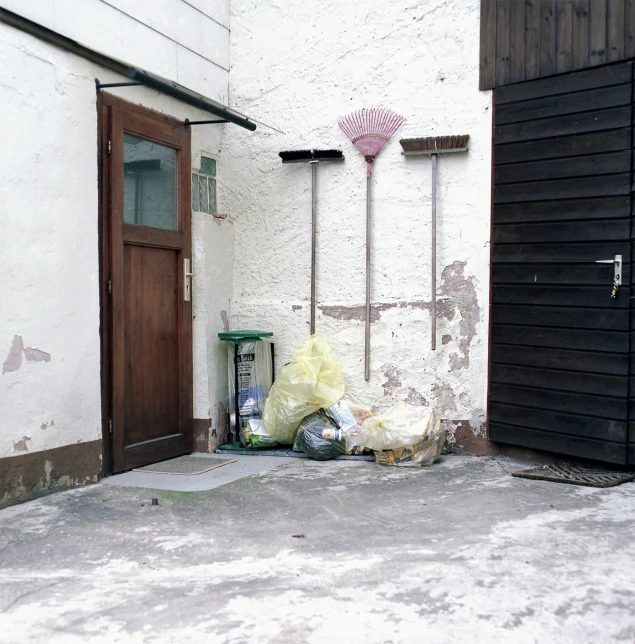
{"points": [[187, 280], [617, 263]]}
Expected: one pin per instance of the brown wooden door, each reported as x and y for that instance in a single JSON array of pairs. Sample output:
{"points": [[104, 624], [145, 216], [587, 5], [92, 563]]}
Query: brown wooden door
{"points": [[560, 353], [146, 240]]}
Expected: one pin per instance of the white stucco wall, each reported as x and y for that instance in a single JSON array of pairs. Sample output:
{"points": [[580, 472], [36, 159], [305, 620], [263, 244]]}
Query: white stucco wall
{"points": [[213, 250], [299, 66], [49, 263]]}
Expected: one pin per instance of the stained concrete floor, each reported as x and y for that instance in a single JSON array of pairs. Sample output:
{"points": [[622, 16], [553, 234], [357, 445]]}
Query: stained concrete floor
{"points": [[459, 551]]}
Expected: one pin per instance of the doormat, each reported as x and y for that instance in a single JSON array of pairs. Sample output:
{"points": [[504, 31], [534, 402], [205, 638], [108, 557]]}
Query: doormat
{"points": [[576, 475], [185, 465]]}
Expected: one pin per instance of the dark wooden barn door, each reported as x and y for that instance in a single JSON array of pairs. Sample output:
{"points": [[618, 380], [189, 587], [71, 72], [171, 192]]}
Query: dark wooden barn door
{"points": [[559, 377], [148, 241]]}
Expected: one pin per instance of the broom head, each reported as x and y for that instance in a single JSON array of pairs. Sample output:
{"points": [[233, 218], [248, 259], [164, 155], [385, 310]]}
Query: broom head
{"points": [[327, 155], [296, 155], [308, 156], [435, 143], [370, 130]]}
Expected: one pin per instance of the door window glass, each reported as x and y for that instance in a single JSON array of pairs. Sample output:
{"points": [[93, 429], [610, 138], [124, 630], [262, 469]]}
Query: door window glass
{"points": [[150, 184]]}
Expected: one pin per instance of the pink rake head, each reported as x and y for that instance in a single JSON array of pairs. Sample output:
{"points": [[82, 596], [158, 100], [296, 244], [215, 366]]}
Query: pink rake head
{"points": [[370, 130]]}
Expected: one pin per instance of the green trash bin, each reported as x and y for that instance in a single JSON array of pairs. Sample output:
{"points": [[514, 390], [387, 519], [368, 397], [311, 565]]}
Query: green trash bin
{"points": [[250, 371]]}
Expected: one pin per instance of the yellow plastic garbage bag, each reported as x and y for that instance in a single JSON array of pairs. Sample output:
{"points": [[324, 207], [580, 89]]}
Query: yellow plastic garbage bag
{"points": [[312, 381], [404, 435]]}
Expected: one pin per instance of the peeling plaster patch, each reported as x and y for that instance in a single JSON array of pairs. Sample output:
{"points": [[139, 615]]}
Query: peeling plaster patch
{"points": [[21, 445], [465, 436], [445, 309], [202, 435], [415, 398], [393, 379], [358, 312], [225, 320], [444, 398], [14, 359], [35, 355], [296, 307], [221, 430], [446, 338], [461, 291]]}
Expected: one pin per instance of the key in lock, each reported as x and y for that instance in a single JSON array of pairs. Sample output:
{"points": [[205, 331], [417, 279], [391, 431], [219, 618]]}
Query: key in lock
{"points": [[617, 273]]}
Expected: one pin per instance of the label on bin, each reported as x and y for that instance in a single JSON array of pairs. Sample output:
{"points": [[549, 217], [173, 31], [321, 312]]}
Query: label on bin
{"points": [[246, 363]]}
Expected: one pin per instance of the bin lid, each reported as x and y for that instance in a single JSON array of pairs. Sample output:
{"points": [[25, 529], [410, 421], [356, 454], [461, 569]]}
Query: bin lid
{"points": [[240, 335]]}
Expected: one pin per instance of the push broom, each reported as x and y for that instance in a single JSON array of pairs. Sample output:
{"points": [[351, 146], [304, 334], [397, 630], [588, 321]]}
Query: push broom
{"points": [[369, 130], [433, 146], [312, 157]]}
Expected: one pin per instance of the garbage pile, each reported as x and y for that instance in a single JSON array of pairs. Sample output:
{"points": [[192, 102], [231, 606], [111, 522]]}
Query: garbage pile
{"points": [[308, 408]]}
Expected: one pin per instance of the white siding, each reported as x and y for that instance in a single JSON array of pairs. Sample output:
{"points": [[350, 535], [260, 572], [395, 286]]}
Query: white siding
{"points": [[172, 38]]}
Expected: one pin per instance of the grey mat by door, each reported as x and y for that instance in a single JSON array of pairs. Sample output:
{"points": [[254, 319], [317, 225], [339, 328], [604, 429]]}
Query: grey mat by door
{"points": [[185, 465]]}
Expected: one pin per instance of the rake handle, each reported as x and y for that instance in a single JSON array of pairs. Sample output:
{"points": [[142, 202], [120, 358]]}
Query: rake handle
{"points": [[313, 243], [433, 301], [367, 330]]}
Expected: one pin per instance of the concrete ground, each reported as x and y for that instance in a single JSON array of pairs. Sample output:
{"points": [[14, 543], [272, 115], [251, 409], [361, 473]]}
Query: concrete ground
{"points": [[458, 551]]}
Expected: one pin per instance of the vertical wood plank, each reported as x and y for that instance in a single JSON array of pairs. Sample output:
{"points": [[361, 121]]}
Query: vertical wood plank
{"points": [[615, 30], [548, 37], [502, 42], [564, 36], [629, 28], [488, 44], [532, 39], [581, 33], [118, 358], [597, 32], [517, 41]]}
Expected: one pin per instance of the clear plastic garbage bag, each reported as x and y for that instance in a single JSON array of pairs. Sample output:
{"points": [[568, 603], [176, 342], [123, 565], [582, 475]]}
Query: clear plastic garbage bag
{"points": [[312, 381], [255, 375], [404, 435]]}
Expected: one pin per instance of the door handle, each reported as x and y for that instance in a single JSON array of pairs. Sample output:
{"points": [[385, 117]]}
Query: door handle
{"points": [[617, 264], [187, 280]]}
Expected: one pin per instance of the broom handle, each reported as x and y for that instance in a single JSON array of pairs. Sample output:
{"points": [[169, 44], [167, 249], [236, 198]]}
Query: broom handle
{"points": [[433, 306], [367, 335], [313, 240]]}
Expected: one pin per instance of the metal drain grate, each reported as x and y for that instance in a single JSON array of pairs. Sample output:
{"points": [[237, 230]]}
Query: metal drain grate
{"points": [[576, 475]]}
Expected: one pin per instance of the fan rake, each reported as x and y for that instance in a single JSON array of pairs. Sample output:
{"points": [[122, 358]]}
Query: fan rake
{"points": [[369, 130]]}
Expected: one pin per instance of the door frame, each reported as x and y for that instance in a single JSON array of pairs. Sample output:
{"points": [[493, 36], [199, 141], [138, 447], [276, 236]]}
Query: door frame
{"points": [[105, 102]]}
